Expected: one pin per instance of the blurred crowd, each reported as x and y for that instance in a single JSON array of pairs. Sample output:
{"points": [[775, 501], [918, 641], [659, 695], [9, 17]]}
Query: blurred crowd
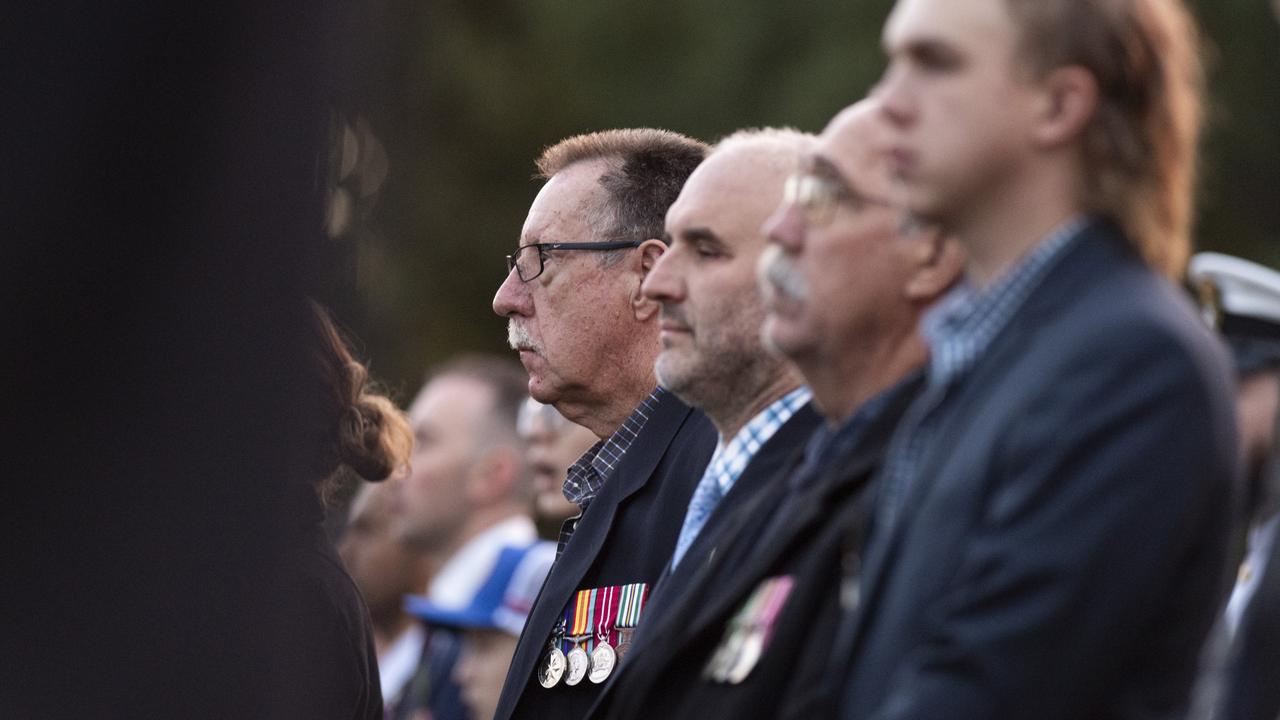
{"points": [[932, 414]]}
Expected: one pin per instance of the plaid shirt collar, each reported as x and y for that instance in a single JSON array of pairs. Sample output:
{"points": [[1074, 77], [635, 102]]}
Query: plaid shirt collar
{"points": [[963, 325], [586, 476], [731, 458]]}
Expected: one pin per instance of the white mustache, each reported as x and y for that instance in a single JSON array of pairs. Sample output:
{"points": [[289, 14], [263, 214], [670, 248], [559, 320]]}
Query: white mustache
{"points": [[518, 338], [777, 272]]}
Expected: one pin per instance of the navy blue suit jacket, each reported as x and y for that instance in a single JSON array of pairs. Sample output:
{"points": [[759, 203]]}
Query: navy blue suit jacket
{"points": [[811, 533], [769, 461], [626, 535], [1063, 548]]}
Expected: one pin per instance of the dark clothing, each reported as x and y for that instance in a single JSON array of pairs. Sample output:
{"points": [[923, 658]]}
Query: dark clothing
{"points": [[625, 536], [431, 692], [1061, 549], [771, 459], [807, 527], [1252, 688], [327, 667]]}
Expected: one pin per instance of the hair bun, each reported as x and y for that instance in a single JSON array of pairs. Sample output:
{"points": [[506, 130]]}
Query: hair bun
{"points": [[371, 441]]}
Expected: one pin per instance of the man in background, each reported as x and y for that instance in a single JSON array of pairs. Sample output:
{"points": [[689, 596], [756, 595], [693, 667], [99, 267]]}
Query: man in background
{"points": [[553, 445], [386, 568], [588, 337], [465, 498], [490, 622], [1242, 300]]}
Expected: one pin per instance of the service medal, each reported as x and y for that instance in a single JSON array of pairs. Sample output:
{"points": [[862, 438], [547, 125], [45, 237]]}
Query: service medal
{"points": [[603, 658], [553, 666], [624, 642], [579, 665]]}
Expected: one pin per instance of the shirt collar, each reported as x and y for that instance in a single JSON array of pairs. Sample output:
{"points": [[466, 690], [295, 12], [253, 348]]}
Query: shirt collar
{"points": [[965, 322], [586, 476], [731, 458]]}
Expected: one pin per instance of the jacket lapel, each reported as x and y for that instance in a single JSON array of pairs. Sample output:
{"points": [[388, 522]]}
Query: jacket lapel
{"points": [[711, 601], [1095, 249], [589, 538]]}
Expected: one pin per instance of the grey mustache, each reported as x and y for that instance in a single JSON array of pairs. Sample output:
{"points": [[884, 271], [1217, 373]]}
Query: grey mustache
{"points": [[518, 338], [783, 276]]}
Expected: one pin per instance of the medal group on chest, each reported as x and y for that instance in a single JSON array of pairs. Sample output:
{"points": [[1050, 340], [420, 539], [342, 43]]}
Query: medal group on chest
{"points": [[593, 635]]}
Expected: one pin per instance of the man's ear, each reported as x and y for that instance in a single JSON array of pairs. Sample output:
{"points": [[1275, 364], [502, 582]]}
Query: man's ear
{"points": [[937, 265], [493, 475], [645, 308], [1068, 100]]}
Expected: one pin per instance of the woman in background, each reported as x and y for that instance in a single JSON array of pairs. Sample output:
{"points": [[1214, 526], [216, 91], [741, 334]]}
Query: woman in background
{"points": [[329, 667]]}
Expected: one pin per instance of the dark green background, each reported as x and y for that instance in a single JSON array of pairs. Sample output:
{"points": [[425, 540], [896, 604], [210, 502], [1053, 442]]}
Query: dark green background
{"points": [[463, 95]]}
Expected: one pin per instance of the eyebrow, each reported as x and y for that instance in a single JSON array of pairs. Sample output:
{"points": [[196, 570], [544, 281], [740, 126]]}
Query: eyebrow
{"points": [[824, 168], [702, 234]]}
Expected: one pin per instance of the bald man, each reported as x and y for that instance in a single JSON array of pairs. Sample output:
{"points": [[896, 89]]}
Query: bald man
{"points": [[844, 284]]}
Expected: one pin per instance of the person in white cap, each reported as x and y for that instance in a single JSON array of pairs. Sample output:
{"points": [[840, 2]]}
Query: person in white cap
{"points": [[491, 621], [1242, 300]]}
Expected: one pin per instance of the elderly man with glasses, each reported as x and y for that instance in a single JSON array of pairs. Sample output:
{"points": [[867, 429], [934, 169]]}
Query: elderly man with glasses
{"points": [[588, 338], [758, 630]]}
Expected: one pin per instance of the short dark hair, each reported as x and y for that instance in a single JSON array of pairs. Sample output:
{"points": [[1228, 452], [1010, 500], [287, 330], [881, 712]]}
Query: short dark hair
{"points": [[647, 171]]}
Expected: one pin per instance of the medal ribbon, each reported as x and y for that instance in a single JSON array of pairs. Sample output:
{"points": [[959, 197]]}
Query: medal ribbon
{"points": [[631, 604], [589, 630], [779, 589], [608, 613]]}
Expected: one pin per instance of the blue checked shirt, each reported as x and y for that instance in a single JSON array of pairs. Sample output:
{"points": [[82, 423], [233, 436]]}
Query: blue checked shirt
{"points": [[728, 462], [958, 332], [585, 477]]}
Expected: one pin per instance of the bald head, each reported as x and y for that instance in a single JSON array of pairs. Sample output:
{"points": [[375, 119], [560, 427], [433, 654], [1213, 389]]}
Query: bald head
{"points": [[712, 356]]}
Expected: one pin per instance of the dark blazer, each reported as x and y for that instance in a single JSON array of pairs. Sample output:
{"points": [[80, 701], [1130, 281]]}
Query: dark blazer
{"points": [[626, 535], [1252, 688], [1062, 550], [771, 459], [812, 533]]}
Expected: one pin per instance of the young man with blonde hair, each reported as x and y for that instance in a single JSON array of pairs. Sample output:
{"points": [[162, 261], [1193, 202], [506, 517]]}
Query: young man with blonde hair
{"points": [[1051, 528]]}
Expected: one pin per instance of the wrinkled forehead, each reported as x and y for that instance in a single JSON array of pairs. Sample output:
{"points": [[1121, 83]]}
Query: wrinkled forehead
{"points": [[570, 207], [855, 144]]}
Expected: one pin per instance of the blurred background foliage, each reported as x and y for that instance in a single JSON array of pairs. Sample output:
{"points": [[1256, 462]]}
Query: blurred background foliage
{"points": [[451, 101]]}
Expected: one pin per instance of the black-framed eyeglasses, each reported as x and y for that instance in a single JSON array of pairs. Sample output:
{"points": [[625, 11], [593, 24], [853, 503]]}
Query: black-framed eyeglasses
{"points": [[528, 260]]}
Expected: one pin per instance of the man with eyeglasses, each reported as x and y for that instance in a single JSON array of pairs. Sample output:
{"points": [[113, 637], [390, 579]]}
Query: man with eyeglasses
{"points": [[752, 633], [588, 338]]}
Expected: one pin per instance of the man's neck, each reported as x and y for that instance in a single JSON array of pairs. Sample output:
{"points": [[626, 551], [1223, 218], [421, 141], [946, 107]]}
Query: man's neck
{"points": [[843, 381], [735, 415], [613, 405], [1016, 216]]}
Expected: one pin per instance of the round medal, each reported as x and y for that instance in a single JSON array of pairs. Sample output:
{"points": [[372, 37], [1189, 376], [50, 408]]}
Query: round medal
{"points": [[553, 666], [579, 665], [624, 642], [602, 662]]}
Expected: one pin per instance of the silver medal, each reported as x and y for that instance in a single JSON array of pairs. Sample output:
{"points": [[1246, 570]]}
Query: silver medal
{"points": [[553, 666], [579, 665], [603, 659]]}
